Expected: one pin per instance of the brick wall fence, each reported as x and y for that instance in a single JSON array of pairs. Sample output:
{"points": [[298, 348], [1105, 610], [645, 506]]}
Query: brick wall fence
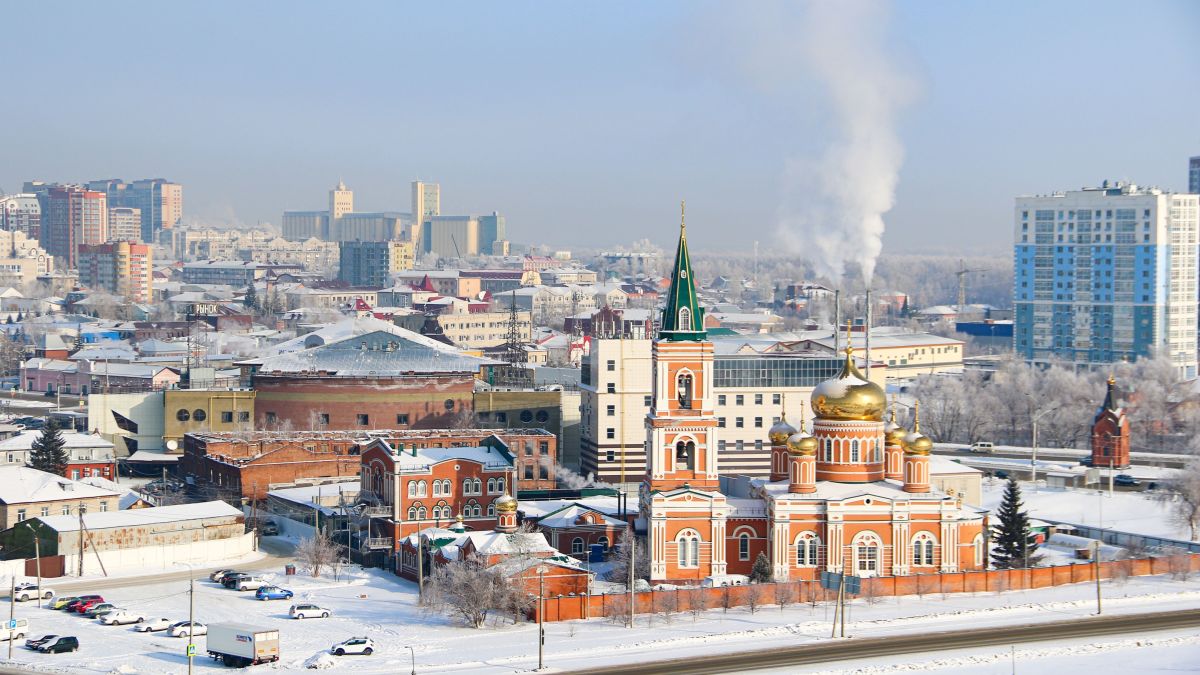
{"points": [[564, 608]]}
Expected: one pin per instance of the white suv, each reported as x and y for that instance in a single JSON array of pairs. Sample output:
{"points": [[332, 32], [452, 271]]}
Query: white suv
{"points": [[28, 591], [358, 645], [308, 611], [251, 584]]}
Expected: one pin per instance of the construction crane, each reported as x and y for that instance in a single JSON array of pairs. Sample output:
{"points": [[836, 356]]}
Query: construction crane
{"points": [[962, 285]]}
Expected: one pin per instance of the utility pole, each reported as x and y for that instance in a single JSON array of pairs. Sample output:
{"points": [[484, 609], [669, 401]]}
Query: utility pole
{"points": [[1096, 566], [80, 540], [541, 617], [420, 570], [632, 558], [191, 619], [37, 554], [12, 612]]}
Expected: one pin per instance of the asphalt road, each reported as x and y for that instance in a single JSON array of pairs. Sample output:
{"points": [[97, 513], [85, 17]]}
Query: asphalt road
{"points": [[840, 650]]}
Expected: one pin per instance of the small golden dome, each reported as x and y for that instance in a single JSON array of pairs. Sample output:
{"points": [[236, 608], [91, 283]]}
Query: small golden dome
{"points": [[918, 443], [895, 433], [506, 504], [801, 443], [849, 396], [780, 431]]}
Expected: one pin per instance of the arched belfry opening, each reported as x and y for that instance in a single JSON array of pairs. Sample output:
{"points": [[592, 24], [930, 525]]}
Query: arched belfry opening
{"points": [[685, 455]]}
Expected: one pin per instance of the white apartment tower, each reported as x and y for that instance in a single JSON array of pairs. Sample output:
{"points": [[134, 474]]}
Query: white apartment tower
{"points": [[1106, 274], [426, 202], [341, 201]]}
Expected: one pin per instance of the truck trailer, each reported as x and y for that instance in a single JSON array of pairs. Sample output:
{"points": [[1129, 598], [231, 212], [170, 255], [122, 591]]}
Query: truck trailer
{"points": [[239, 645]]}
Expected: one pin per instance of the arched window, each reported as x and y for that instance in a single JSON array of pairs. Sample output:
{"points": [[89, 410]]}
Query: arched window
{"points": [[491, 486], [447, 488], [688, 548], [683, 390], [685, 319], [744, 546], [603, 541], [828, 449], [577, 546], [854, 451], [422, 488], [685, 455], [412, 488], [866, 554], [478, 510], [922, 545], [499, 486], [422, 514], [491, 510], [437, 491], [979, 551], [412, 511], [807, 547], [466, 486]]}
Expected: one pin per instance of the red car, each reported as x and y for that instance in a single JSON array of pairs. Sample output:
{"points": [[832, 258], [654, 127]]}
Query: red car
{"points": [[91, 601], [73, 606]]}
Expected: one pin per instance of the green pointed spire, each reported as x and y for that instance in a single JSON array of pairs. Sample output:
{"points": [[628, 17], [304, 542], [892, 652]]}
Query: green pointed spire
{"points": [[682, 318]]}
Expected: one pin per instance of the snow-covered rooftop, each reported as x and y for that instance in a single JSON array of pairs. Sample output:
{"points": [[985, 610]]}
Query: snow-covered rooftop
{"points": [[22, 485], [141, 517], [71, 440]]}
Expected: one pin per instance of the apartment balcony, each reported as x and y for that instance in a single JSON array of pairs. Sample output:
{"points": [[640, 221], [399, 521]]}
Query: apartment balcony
{"points": [[376, 543]]}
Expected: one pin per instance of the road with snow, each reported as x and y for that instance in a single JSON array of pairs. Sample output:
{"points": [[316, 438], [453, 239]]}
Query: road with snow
{"points": [[842, 650]]}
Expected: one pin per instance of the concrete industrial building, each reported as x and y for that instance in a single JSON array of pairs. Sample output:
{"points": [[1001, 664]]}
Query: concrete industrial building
{"points": [[1106, 274], [458, 236], [123, 268], [341, 223]]}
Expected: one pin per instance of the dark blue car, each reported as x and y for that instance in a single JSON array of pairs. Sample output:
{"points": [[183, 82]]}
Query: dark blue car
{"points": [[273, 593]]}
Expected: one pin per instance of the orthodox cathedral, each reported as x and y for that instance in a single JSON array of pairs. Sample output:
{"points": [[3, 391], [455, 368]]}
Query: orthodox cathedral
{"points": [[852, 493]]}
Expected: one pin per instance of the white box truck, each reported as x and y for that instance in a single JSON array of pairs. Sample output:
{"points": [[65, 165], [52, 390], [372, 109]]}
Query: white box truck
{"points": [[239, 645]]}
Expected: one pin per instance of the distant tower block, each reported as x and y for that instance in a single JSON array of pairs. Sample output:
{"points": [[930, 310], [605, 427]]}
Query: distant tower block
{"points": [[1110, 432]]}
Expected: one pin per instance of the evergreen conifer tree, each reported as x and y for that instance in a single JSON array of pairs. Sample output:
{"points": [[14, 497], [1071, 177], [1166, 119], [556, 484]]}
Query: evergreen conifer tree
{"points": [[251, 299], [49, 451], [760, 573], [1014, 547]]}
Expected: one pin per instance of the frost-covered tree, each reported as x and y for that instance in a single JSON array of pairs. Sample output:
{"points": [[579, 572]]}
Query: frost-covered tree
{"points": [[760, 572], [628, 543], [466, 589], [1181, 495]]}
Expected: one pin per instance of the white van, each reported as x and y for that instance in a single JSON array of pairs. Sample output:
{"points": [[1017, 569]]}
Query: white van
{"points": [[719, 580], [17, 633], [982, 447]]}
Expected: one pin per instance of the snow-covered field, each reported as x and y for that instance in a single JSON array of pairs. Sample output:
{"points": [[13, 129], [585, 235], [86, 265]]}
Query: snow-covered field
{"points": [[377, 605], [1125, 511]]}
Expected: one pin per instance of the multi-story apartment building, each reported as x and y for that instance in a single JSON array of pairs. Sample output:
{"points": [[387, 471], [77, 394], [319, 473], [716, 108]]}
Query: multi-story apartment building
{"points": [[453, 283], [371, 264], [21, 212], [72, 216], [21, 259], [120, 267], [159, 202], [752, 388], [475, 330], [124, 224], [234, 273], [1194, 175], [1106, 274]]}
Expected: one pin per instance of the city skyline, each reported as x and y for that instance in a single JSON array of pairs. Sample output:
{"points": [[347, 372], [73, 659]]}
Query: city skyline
{"points": [[602, 119]]}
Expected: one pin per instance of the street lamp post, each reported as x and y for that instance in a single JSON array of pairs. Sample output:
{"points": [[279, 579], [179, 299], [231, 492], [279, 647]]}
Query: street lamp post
{"points": [[1033, 462], [37, 555], [541, 570], [191, 647], [413, 653]]}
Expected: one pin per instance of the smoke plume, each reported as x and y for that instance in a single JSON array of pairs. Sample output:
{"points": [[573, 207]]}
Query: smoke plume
{"points": [[833, 205], [571, 480]]}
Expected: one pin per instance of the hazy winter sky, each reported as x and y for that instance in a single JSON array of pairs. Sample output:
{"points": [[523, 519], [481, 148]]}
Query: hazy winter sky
{"points": [[586, 123]]}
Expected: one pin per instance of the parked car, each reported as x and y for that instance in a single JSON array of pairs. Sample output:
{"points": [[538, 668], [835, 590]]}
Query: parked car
{"points": [[308, 611], [1001, 473], [34, 643], [273, 593], [251, 583], [64, 643], [17, 633], [99, 609], [121, 617], [61, 603], [719, 580], [216, 575], [358, 645], [269, 529], [982, 447], [29, 591], [84, 603], [232, 580], [180, 629], [153, 625], [1125, 480], [228, 573], [1086, 461]]}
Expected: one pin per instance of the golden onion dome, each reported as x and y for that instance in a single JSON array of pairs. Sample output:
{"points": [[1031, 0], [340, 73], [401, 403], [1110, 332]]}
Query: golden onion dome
{"points": [[506, 504], [895, 433], [918, 443], [801, 443], [780, 431], [849, 396]]}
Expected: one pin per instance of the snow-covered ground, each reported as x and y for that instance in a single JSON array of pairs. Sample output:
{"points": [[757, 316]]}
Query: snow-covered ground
{"points": [[378, 605], [1136, 512]]}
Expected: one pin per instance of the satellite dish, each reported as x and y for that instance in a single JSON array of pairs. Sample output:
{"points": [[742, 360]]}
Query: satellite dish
{"points": [[172, 445]]}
